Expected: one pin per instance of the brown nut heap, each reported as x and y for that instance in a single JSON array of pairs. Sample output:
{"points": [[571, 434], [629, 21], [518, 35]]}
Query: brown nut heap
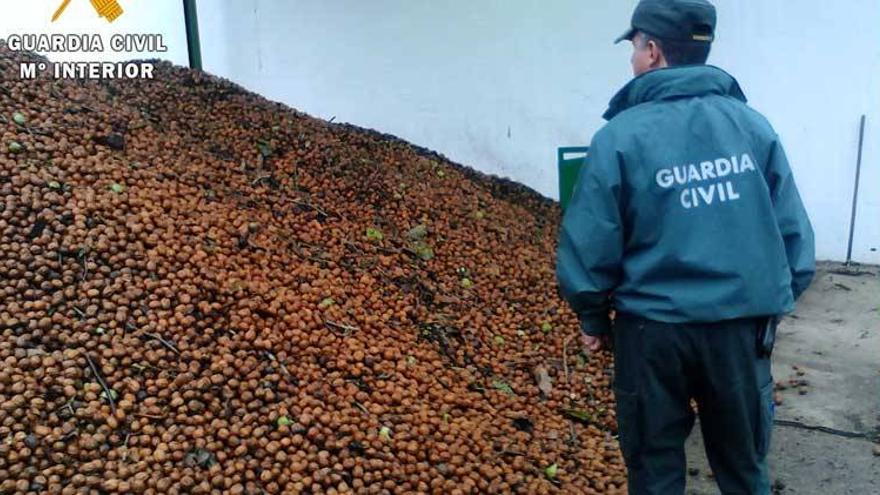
{"points": [[207, 292]]}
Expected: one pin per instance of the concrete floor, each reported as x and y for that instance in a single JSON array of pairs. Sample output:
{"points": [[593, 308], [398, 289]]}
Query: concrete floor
{"points": [[832, 342]]}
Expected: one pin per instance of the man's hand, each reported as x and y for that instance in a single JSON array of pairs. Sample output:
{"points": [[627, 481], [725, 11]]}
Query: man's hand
{"points": [[594, 344]]}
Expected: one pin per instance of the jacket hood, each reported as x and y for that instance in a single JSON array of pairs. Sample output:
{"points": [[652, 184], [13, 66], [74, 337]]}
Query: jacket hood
{"points": [[673, 83]]}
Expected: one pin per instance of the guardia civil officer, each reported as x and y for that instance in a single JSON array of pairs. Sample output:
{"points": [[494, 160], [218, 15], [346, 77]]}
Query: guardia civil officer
{"points": [[686, 220]]}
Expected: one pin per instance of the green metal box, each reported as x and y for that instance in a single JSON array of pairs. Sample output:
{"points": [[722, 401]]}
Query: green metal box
{"points": [[571, 159]]}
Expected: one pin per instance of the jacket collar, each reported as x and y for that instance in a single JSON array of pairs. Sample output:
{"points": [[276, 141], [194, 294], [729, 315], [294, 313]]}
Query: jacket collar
{"points": [[673, 83]]}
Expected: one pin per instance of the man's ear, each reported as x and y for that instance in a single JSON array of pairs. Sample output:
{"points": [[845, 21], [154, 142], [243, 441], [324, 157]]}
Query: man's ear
{"points": [[657, 58]]}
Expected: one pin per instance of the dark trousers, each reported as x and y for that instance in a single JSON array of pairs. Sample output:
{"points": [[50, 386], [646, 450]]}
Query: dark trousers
{"points": [[659, 368]]}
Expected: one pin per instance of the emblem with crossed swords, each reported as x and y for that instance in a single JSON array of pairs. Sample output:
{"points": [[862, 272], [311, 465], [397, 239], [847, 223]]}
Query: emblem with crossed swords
{"points": [[109, 9]]}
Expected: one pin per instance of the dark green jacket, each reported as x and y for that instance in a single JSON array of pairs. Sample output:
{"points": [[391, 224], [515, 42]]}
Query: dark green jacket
{"points": [[686, 209]]}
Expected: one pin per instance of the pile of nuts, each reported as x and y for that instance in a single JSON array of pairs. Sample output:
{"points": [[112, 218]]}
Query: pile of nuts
{"points": [[206, 292]]}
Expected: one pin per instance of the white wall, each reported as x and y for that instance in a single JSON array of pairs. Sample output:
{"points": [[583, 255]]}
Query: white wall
{"points": [[500, 84], [867, 239], [496, 84], [813, 68], [163, 17]]}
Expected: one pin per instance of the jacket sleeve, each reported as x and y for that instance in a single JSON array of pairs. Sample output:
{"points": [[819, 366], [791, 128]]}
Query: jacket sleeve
{"points": [[591, 240], [792, 219]]}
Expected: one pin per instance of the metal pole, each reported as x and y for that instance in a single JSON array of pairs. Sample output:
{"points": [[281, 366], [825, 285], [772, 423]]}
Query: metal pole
{"points": [[194, 45], [855, 204]]}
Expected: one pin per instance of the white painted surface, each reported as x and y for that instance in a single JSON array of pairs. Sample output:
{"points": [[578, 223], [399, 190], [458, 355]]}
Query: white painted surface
{"points": [[495, 84], [500, 84], [163, 17], [867, 239], [813, 68]]}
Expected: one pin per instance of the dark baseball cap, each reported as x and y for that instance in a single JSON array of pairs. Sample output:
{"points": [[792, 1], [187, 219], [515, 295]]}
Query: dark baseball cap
{"points": [[675, 20]]}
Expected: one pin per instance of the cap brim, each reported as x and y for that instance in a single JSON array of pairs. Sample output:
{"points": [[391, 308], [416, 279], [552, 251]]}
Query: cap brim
{"points": [[627, 36]]}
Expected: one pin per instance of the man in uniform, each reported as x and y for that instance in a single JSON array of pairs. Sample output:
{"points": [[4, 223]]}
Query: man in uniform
{"points": [[687, 222]]}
